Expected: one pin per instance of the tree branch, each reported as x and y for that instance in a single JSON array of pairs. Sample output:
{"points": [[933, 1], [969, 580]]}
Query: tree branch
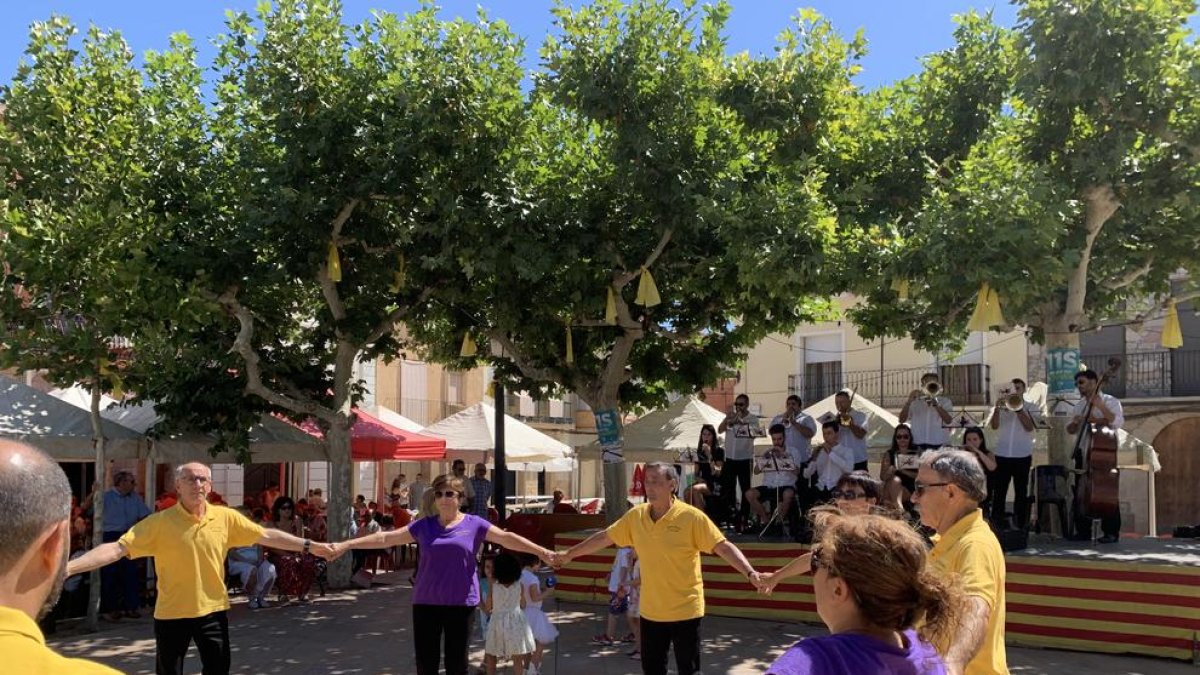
{"points": [[328, 286], [244, 346], [629, 275], [1100, 204], [518, 357], [388, 324], [1130, 278], [601, 323]]}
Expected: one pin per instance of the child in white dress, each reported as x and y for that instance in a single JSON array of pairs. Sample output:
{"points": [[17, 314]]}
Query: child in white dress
{"points": [[544, 632], [634, 581], [508, 634]]}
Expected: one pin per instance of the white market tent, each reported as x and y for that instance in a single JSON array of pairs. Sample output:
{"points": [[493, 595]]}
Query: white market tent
{"points": [[389, 416], [271, 440], [58, 428], [660, 435], [471, 436], [80, 397]]}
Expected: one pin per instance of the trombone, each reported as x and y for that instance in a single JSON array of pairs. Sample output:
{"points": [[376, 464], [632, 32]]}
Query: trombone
{"points": [[1011, 400], [932, 391]]}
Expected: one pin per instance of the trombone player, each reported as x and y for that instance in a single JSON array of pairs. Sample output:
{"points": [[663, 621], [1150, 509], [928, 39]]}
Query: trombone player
{"points": [[930, 417], [852, 428], [1014, 419]]}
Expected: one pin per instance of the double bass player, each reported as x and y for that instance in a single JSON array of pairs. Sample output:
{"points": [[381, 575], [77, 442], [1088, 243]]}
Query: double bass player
{"points": [[1106, 411]]}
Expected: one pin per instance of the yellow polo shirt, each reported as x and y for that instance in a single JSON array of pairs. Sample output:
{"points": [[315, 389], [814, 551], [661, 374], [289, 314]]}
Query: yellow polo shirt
{"points": [[189, 556], [971, 551], [24, 650], [669, 553]]}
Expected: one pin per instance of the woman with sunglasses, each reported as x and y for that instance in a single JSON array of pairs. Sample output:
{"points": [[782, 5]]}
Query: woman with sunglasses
{"points": [[295, 571], [899, 483], [446, 591], [872, 587]]}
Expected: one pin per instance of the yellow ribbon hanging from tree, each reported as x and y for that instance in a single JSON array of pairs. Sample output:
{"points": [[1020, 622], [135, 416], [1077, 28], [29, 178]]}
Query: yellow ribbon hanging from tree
{"points": [[647, 294], [987, 310], [901, 288], [468, 346], [1172, 333], [400, 276], [610, 308], [334, 263], [570, 345]]}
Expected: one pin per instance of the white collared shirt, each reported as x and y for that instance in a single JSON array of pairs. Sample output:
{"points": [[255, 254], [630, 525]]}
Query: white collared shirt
{"points": [[846, 438], [1013, 441], [741, 445], [831, 466], [927, 424], [798, 445], [1097, 417]]}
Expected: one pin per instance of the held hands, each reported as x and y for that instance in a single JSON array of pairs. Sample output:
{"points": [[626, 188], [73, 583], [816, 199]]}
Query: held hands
{"points": [[327, 551], [557, 559], [765, 583]]}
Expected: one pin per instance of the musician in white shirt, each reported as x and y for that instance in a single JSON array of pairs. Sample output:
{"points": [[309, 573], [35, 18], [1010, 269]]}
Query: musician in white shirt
{"points": [[1106, 411], [779, 474], [830, 461], [852, 436], [740, 427], [928, 418], [1014, 454], [799, 430]]}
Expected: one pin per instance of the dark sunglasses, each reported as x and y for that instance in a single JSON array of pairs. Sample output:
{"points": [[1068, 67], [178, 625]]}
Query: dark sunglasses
{"points": [[287, 507], [848, 495], [448, 494], [904, 438], [922, 487]]}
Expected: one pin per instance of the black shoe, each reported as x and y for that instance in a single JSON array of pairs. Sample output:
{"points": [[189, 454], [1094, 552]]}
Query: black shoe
{"points": [[1108, 539]]}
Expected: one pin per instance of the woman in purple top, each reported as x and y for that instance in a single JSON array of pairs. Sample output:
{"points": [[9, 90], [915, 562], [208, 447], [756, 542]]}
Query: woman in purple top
{"points": [[447, 587], [872, 587]]}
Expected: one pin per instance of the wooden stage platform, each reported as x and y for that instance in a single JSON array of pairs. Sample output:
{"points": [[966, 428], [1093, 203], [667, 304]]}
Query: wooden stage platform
{"points": [[1139, 596]]}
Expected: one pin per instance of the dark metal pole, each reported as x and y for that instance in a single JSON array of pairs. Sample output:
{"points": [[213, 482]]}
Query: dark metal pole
{"points": [[500, 491]]}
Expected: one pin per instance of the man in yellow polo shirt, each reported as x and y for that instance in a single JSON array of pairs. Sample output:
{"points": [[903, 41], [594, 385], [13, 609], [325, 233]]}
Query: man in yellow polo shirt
{"points": [[35, 540], [950, 485], [668, 536], [189, 542]]}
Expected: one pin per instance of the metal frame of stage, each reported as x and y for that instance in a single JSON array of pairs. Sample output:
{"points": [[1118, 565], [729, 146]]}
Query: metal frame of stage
{"points": [[1140, 596]]}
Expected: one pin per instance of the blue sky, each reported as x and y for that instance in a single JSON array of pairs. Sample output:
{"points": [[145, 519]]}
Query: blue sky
{"points": [[898, 31]]}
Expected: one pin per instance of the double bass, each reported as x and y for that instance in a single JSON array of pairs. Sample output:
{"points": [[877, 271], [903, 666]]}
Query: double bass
{"points": [[1098, 484]]}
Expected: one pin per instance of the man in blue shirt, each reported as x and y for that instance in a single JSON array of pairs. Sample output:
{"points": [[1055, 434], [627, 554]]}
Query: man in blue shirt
{"points": [[120, 585], [480, 492]]}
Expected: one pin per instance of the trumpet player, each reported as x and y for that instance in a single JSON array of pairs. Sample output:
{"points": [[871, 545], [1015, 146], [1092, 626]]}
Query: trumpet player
{"points": [[1014, 419], [928, 412], [852, 429], [798, 430], [738, 426]]}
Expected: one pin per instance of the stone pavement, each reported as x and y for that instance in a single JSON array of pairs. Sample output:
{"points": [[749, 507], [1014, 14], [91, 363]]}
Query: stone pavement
{"points": [[369, 633]]}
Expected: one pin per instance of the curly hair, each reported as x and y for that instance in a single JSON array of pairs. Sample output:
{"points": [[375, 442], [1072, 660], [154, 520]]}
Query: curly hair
{"points": [[883, 561]]}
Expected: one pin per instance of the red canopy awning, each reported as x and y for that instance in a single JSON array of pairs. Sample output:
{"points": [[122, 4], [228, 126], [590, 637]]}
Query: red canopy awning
{"points": [[373, 440]]}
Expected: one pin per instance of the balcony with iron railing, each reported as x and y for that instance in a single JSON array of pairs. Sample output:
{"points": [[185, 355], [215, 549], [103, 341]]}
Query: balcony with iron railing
{"points": [[890, 388], [1151, 374]]}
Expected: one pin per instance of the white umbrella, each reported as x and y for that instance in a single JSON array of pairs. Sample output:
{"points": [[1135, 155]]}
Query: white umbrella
{"points": [[880, 423], [81, 397], [471, 436], [660, 435]]}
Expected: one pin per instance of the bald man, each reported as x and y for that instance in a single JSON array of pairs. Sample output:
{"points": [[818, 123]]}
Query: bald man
{"points": [[35, 539], [189, 542]]}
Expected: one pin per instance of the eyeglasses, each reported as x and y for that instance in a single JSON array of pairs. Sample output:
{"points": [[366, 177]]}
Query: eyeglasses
{"points": [[848, 495], [818, 559], [922, 487], [285, 508], [448, 494]]}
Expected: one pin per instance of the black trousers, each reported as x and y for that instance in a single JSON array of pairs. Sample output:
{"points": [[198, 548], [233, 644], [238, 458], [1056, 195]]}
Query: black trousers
{"points": [[430, 624], [1016, 471], [736, 471], [659, 636], [211, 633], [120, 586], [860, 466]]}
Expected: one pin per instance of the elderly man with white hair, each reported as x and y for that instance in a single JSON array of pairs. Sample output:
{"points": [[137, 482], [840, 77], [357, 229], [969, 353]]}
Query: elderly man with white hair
{"points": [[189, 542], [949, 486]]}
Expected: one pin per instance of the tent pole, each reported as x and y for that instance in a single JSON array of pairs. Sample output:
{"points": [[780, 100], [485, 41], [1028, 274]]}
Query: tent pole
{"points": [[499, 493]]}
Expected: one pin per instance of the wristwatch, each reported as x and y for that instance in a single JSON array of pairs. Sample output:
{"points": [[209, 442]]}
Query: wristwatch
{"points": [[307, 545]]}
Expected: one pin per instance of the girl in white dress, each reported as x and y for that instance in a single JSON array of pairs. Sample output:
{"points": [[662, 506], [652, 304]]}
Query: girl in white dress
{"points": [[508, 634], [544, 632]]}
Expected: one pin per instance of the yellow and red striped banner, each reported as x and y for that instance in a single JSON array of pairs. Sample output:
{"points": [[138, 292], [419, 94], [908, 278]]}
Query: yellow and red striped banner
{"points": [[1085, 605]]}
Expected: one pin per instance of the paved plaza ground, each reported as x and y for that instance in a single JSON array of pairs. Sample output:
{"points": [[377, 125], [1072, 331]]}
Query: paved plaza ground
{"points": [[369, 632]]}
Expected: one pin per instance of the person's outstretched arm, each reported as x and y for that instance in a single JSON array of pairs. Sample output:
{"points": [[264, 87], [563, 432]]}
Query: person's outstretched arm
{"points": [[590, 545], [799, 565], [516, 542], [104, 554], [388, 539]]}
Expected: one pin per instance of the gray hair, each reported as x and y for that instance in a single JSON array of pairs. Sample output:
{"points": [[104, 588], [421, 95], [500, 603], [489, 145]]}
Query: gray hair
{"points": [[179, 469], [34, 494], [959, 468], [665, 469]]}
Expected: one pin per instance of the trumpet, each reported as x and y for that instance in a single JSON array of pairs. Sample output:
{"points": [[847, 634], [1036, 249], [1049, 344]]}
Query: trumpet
{"points": [[932, 390], [1012, 400], [844, 419]]}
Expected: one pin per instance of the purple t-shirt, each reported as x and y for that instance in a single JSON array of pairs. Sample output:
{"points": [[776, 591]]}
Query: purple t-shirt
{"points": [[859, 654], [448, 574]]}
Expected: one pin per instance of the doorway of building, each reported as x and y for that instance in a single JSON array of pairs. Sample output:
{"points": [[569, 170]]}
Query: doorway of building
{"points": [[1177, 499], [256, 478]]}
